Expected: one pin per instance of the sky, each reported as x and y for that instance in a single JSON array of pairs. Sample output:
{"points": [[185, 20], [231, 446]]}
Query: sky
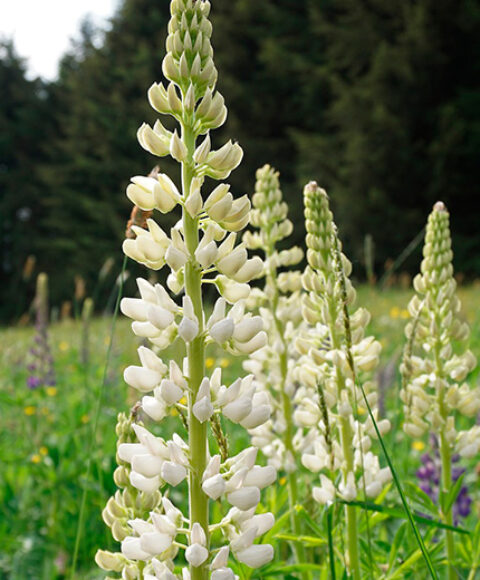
{"points": [[42, 29]]}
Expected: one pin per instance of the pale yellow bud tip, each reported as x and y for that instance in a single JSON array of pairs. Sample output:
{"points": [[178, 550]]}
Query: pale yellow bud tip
{"points": [[439, 206]]}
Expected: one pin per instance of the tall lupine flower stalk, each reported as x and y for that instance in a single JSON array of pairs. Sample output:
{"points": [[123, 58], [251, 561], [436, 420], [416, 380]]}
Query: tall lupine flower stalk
{"points": [[199, 250], [336, 357], [434, 392], [279, 439], [40, 365]]}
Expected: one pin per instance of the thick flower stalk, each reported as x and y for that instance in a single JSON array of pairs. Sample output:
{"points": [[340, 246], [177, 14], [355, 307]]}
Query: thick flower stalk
{"points": [[336, 357], [273, 366], [40, 360], [201, 249], [434, 393]]}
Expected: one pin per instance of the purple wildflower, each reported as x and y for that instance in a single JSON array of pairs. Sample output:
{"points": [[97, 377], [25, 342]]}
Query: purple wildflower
{"points": [[40, 366], [429, 475]]}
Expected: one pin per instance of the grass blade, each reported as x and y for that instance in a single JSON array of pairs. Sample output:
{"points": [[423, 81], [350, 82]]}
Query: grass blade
{"points": [[93, 435]]}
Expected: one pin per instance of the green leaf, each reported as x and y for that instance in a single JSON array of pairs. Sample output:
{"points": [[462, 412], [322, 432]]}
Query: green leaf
{"points": [[400, 514], [309, 541]]}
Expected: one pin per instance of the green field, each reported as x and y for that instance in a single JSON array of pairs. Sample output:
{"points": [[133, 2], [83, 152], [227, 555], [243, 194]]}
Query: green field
{"points": [[46, 434]]}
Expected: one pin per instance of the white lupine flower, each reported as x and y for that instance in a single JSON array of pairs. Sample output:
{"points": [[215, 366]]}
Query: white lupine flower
{"points": [[156, 409], [175, 258], [222, 331], [207, 254], [244, 540], [140, 192], [203, 408], [232, 262], [244, 498], [146, 484], [132, 550], [261, 476], [194, 203], [162, 572], [261, 522], [196, 555], [256, 343], [214, 486], [256, 556], [188, 329], [221, 559], [149, 247], [223, 574], [325, 494], [230, 290], [155, 542], [213, 467], [248, 328], [141, 378], [156, 140], [250, 269], [173, 473], [147, 465]]}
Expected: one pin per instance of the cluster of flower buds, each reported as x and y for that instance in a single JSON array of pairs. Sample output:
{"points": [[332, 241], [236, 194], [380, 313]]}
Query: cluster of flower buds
{"points": [[201, 249], [126, 505], [336, 355], [280, 308], [434, 374]]}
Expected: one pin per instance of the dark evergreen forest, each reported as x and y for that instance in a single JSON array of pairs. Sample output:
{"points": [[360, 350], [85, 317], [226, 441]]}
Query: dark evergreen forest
{"points": [[377, 101]]}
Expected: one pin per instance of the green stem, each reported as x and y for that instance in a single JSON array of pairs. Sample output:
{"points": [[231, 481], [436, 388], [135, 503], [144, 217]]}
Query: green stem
{"points": [[350, 510], [446, 459], [298, 547], [346, 437], [197, 432]]}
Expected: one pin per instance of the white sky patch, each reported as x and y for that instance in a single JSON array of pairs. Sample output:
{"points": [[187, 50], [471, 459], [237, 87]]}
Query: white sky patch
{"points": [[42, 29]]}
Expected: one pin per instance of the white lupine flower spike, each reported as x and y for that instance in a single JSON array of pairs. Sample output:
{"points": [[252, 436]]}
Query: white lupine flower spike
{"points": [[434, 393], [200, 249], [273, 357], [334, 356]]}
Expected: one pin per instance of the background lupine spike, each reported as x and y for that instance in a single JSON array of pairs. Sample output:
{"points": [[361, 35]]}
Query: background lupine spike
{"points": [[336, 354], [40, 365], [434, 392], [280, 439]]}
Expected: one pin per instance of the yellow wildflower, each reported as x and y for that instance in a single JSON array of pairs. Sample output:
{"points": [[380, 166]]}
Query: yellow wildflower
{"points": [[395, 312], [183, 401], [209, 362], [405, 314], [35, 458], [43, 450], [51, 391], [224, 363], [63, 346], [418, 445], [282, 480], [30, 410], [85, 419]]}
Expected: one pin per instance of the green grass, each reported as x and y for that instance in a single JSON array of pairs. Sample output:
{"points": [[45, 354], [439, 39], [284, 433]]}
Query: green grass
{"points": [[45, 436]]}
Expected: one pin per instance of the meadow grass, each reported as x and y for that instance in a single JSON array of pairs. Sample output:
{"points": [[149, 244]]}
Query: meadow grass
{"points": [[45, 437]]}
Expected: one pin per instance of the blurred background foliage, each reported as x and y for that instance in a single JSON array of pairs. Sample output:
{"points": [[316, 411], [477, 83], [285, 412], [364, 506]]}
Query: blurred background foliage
{"points": [[378, 101]]}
